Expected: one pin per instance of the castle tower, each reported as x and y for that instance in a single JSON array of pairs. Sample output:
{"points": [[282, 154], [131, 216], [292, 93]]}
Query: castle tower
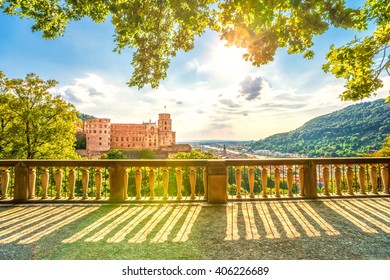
{"points": [[165, 135], [98, 134]]}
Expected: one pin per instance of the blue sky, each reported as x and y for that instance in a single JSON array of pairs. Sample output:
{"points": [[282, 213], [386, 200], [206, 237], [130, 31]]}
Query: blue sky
{"points": [[211, 92]]}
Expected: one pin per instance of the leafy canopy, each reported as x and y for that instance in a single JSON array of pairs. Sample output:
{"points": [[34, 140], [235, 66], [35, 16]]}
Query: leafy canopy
{"points": [[34, 123], [157, 29]]}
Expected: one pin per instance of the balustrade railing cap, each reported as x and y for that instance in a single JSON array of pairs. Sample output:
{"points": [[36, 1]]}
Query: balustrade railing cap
{"points": [[195, 162]]}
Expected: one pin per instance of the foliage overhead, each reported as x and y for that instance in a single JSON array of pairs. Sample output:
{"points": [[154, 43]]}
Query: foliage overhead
{"points": [[34, 123], [158, 29], [352, 131]]}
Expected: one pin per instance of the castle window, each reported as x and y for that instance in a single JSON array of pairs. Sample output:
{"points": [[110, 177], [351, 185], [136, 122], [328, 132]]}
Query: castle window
{"points": [[105, 131], [117, 138], [127, 138], [100, 138], [100, 144], [100, 131], [94, 131], [121, 138]]}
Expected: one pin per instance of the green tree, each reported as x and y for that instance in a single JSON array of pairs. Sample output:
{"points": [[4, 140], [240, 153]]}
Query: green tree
{"points": [[157, 29], [34, 123], [385, 150], [147, 154], [113, 154], [195, 154]]}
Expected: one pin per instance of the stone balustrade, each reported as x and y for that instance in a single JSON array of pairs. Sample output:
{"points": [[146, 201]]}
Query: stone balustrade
{"points": [[214, 181]]}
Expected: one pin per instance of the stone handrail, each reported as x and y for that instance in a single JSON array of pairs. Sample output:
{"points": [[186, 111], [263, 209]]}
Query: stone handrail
{"points": [[206, 180]]}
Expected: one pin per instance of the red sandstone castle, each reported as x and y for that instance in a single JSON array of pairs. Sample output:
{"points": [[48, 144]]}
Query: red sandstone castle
{"points": [[101, 135]]}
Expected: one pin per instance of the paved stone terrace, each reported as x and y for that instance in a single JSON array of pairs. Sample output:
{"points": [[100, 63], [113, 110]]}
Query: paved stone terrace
{"points": [[300, 229]]}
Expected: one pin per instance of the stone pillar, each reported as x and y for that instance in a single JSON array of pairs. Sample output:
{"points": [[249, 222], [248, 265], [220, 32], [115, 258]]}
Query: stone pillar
{"points": [[385, 178], [205, 183], [45, 181], [32, 176], [179, 181], [138, 182], [21, 183], [151, 182], [277, 181], [238, 181], [192, 181], [216, 179], [289, 180], [251, 179], [58, 180], [337, 175], [165, 178], [72, 181], [98, 181], [374, 178], [264, 180], [310, 180], [301, 174], [350, 179], [362, 178], [85, 181], [326, 175], [117, 183]]}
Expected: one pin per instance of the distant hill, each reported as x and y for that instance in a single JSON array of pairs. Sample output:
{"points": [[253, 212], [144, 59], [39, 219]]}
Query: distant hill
{"points": [[352, 131]]}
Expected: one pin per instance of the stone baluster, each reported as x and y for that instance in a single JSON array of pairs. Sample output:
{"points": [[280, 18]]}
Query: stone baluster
{"points": [[151, 182], [32, 176], [238, 181], [45, 182], [98, 181], [192, 181], [350, 179], [251, 179], [374, 178], [326, 175], [165, 178], [72, 181], [85, 181], [205, 185], [264, 180], [277, 181], [362, 178], [179, 181], [337, 175], [138, 182], [4, 182], [289, 180], [58, 180], [301, 176], [385, 178]]}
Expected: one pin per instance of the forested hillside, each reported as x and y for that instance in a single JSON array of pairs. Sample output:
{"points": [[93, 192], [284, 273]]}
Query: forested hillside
{"points": [[352, 131]]}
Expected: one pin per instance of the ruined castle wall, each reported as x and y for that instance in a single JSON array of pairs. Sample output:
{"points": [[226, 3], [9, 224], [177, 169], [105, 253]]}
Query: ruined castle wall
{"points": [[97, 132]]}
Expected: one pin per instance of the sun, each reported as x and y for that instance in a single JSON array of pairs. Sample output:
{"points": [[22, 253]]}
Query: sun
{"points": [[228, 59]]}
